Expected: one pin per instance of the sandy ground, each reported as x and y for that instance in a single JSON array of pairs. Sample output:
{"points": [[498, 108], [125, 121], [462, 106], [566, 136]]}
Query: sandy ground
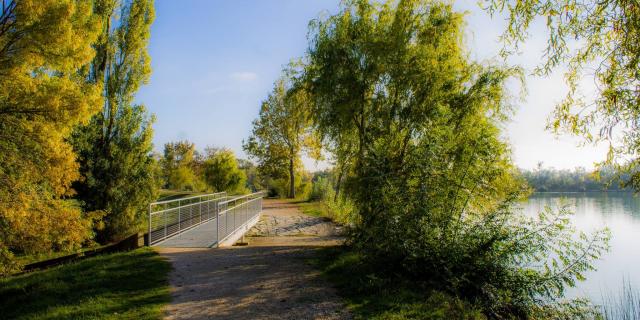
{"points": [[268, 279]]}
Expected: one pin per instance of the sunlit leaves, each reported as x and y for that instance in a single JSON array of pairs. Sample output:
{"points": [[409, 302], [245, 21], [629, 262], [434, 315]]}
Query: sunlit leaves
{"points": [[179, 167], [221, 172], [43, 44]]}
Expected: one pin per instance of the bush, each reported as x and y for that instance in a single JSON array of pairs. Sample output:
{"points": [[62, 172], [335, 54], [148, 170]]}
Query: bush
{"points": [[320, 188]]}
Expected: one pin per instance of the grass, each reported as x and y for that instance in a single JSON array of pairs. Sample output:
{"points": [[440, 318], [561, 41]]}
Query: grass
{"points": [[315, 209], [131, 285], [371, 297]]}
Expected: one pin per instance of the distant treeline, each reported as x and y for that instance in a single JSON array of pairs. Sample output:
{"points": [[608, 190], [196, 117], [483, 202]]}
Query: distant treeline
{"points": [[543, 179]]}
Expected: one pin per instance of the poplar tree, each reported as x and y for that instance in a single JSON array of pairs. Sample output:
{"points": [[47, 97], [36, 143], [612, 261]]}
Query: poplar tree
{"points": [[115, 148], [43, 44]]}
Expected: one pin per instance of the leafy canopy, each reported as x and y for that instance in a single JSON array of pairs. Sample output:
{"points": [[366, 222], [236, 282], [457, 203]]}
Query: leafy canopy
{"points": [[178, 166], [221, 171], [43, 44]]}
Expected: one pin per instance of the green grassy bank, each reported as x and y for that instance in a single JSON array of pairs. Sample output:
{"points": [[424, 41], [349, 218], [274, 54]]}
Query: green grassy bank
{"points": [[131, 285], [371, 297]]}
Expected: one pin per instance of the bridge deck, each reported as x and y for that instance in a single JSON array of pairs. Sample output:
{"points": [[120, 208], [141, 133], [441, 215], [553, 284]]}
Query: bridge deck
{"points": [[202, 236]]}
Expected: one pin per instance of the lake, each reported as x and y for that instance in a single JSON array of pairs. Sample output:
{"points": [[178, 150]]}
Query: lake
{"points": [[621, 213]]}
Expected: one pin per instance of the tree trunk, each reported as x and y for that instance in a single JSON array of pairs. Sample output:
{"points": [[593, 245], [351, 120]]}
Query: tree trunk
{"points": [[292, 179]]}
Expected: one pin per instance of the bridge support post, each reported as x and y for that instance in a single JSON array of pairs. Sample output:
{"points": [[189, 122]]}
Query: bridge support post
{"points": [[215, 209], [149, 234]]}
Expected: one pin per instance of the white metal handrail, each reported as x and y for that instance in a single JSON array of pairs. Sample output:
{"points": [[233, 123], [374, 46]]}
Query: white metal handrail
{"points": [[171, 217], [232, 219]]}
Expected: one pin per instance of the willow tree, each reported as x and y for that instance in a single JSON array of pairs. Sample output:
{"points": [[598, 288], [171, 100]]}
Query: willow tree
{"points": [[432, 180], [114, 149], [283, 132], [43, 44], [599, 40]]}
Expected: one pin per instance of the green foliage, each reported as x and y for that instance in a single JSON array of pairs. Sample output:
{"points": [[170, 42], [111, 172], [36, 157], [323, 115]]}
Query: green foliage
{"points": [[282, 132], [598, 39], [114, 148], [221, 171], [340, 209], [129, 285], [431, 179], [179, 165], [43, 44], [254, 183], [281, 187]]}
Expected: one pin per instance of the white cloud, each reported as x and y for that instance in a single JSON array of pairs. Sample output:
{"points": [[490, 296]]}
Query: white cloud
{"points": [[244, 76]]}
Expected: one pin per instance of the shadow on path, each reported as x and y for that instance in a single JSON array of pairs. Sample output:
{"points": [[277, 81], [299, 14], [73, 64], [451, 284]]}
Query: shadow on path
{"points": [[268, 279]]}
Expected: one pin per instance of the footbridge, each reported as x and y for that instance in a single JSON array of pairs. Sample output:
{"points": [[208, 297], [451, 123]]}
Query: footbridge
{"points": [[209, 220]]}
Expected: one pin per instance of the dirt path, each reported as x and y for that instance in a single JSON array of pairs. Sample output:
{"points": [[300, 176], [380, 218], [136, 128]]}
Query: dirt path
{"points": [[268, 279]]}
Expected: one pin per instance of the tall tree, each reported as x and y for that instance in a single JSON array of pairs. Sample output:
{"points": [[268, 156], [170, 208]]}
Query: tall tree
{"points": [[178, 166], [283, 131], [43, 44], [599, 39], [221, 171], [115, 148]]}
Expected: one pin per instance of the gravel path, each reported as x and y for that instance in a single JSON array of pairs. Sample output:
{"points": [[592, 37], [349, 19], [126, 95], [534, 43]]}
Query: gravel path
{"points": [[268, 279]]}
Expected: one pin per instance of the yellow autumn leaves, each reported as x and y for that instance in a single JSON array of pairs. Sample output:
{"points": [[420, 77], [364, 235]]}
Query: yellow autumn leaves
{"points": [[44, 48]]}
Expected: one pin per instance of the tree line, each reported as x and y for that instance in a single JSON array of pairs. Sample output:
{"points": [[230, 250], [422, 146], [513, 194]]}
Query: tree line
{"points": [[545, 179], [217, 169]]}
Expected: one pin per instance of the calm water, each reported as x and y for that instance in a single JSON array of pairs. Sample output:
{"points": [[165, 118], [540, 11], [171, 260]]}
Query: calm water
{"points": [[621, 213]]}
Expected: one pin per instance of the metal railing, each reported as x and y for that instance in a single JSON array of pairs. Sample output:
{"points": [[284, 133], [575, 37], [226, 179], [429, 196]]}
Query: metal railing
{"points": [[171, 217], [235, 213]]}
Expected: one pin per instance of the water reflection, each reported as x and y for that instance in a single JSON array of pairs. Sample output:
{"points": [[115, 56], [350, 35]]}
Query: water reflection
{"points": [[620, 212]]}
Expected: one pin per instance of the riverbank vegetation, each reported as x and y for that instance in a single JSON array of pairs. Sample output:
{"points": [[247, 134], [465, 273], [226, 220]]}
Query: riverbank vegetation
{"points": [[75, 158]]}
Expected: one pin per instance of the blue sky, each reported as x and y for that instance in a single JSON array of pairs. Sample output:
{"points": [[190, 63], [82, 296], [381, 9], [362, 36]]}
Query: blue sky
{"points": [[215, 61]]}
